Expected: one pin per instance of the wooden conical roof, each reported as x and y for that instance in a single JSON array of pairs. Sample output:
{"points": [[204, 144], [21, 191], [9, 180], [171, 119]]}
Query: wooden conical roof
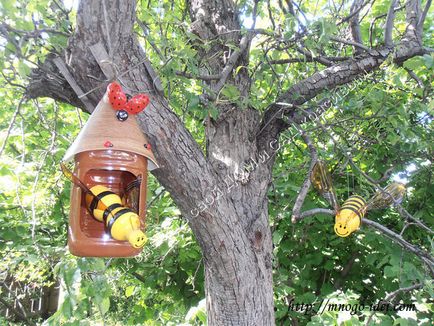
{"points": [[103, 127]]}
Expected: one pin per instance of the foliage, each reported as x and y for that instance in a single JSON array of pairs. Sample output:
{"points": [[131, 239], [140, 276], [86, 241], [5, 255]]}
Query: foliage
{"points": [[383, 122]]}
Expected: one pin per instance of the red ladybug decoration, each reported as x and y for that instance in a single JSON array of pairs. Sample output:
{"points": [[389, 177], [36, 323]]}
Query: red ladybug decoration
{"points": [[137, 104], [144, 99], [108, 144], [134, 106], [114, 87], [118, 100]]}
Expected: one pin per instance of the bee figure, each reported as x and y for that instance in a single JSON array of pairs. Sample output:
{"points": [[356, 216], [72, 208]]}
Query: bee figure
{"points": [[349, 217], [121, 222]]}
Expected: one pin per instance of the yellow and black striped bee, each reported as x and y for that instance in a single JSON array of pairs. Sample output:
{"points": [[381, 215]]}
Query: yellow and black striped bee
{"points": [[121, 222], [349, 217]]}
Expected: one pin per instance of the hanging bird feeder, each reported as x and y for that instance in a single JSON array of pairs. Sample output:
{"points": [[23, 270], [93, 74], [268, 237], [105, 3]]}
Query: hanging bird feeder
{"points": [[111, 158]]}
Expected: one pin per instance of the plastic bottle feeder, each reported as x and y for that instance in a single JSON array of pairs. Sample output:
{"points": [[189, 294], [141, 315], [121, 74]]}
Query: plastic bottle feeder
{"points": [[112, 153]]}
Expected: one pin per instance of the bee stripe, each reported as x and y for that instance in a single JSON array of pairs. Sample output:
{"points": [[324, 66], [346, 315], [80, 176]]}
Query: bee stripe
{"points": [[97, 198], [357, 211], [358, 197], [108, 210], [352, 208], [116, 215], [354, 201], [353, 204]]}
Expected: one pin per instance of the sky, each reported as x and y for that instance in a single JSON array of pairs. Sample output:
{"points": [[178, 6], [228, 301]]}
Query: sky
{"points": [[69, 4]]}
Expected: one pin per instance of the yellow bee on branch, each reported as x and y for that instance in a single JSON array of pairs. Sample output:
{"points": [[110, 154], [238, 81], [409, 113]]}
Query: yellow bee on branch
{"points": [[349, 217]]}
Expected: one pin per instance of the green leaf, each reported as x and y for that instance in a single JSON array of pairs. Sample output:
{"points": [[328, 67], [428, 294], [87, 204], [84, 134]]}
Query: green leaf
{"points": [[104, 305], [214, 113], [23, 69], [67, 307], [429, 60], [414, 63], [129, 291], [231, 92]]}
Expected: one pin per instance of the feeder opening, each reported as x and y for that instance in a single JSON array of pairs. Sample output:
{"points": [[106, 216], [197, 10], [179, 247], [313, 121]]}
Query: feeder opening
{"points": [[123, 183]]}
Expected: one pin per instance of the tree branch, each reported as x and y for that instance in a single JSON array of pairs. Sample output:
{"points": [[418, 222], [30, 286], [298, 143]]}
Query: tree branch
{"points": [[227, 70], [423, 16], [201, 77], [355, 24], [372, 24], [347, 268], [400, 209], [341, 73], [309, 55], [393, 294], [314, 211], [424, 13], [353, 12], [306, 184], [353, 43], [33, 33], [422, 254], [388, 41], [308, 59], [414, 77], [11, 124]]}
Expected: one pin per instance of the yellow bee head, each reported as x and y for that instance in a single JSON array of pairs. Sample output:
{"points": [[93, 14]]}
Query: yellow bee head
{"points": [[137, 238], [346, 222]]}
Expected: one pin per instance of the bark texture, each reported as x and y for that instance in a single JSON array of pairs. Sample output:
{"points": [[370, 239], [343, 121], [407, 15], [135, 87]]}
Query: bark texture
{"points": [[233, 229]]}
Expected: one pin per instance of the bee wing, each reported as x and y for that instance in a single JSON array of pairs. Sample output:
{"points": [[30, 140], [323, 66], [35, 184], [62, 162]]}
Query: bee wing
{"points": [[74, 179], [322, 181], [131, 194], [392, 193]]}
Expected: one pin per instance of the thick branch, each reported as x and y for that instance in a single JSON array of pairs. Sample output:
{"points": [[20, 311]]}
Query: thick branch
{"points": [[47, 81], [423, 16], [389, 25], [342, 73], [355, 24], [329, 78], [424, 255]]}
